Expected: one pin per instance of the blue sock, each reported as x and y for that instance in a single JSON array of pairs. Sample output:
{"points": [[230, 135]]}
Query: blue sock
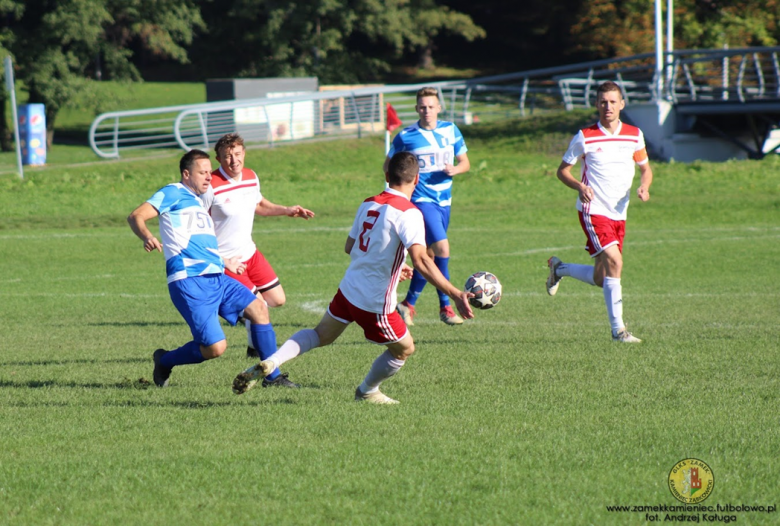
{"points": [[188, 353], [444, 266], [264, 340], [416, 285]]}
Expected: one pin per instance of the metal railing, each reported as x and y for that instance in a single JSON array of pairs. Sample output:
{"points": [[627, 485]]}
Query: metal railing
{"points": [[694, 75]]}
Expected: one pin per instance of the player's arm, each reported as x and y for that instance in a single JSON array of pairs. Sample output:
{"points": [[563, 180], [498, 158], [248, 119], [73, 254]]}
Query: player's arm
{"points": [[645, 180], [349, 244], [565, 176], [137, 221], [267, 208], [425, 265], [234, 265], [462, 167]]}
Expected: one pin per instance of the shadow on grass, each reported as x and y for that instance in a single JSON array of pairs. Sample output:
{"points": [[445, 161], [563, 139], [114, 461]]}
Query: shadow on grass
{"points": [[169, 324], [45, 384], [135, 324], [193, 404], [33, 363]]}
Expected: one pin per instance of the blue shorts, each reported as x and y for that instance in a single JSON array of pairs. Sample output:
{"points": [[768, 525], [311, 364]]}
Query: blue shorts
{"points": [[200, 299], [437, 221]]}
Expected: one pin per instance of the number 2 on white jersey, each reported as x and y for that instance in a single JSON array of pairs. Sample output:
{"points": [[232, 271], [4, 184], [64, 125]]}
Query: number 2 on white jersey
{"points": [[367, 225]]}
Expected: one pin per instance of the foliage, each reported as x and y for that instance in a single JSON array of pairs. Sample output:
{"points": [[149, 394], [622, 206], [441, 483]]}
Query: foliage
{"points": [[709, 24], [8, 8], [62, 46], [339, 41]]}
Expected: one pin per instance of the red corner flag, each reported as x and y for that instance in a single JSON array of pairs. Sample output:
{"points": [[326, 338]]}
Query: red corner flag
{"points": [[393, 121]]}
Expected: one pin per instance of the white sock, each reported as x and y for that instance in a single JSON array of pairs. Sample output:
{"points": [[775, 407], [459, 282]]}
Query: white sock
{"points": [[299, 343], [582, 273], [385, 366], [613, 297]]}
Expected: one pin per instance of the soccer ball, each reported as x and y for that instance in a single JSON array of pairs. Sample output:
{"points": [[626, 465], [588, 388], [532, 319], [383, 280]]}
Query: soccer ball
{"points": [[486, 289]]}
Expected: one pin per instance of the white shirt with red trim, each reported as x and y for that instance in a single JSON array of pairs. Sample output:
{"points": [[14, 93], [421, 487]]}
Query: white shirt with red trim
{"points": [[385, 226], [607, 166], [231, 203]]}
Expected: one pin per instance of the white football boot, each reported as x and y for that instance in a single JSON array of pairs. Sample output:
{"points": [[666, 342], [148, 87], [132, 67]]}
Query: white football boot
{"points": [[377, 397], [247, 380], [624, 336]]}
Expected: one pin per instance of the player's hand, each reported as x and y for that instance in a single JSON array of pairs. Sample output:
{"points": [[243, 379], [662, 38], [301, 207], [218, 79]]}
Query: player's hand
{"points": [[450, 170], [406, 273], [299, 211], [463, 305], [586, 193], [235, 266], [152, 244], [643, 193]]}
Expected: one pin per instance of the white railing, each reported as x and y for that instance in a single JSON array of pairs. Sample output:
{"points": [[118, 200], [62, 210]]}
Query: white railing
{"points": [[696, 75]]}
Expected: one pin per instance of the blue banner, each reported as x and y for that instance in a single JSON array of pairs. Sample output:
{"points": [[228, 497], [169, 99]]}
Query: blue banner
{"points": [[32, 133]]}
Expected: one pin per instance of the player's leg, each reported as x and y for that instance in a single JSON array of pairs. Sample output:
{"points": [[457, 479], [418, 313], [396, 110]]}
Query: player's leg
{"points": [[264, 340], [197, 300], [388, 330], [607, 273], [265, 284], [325, 333], [333, 323], [406, 309], [440, 245], [593, 227], [385, 366]]}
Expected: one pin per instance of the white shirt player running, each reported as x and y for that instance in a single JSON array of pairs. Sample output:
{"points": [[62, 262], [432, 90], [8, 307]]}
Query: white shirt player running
{"points": [[607, 166], [231, 203], [385, 226]]}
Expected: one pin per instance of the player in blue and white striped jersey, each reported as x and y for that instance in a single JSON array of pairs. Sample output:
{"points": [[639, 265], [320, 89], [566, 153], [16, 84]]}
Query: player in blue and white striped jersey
{"points": [[437, 146], [196, 281]]}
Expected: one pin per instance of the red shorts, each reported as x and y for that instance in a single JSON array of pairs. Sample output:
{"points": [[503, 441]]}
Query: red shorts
{"points": [[258, 274], [602, 232], [377, 328]]}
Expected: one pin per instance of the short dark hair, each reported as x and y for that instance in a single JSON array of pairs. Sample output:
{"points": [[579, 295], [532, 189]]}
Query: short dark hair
{"points": [[228, 141], [609, 86], [188, 160], [403, 168]]}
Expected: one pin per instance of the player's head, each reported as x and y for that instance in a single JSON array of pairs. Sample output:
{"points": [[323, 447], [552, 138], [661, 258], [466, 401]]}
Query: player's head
{"points": [[403, 169], [609, 99], [428, 106], [230, 153], [195, 168]]}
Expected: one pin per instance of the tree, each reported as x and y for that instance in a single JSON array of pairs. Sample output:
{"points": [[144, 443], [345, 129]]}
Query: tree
{"points": [[534, 36], [429, 20], [336, 40], [611, 28], [57, 43], [8, 8]]}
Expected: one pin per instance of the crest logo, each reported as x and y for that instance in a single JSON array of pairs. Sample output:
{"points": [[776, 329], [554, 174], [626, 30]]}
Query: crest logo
{"points": [[691, 481]]}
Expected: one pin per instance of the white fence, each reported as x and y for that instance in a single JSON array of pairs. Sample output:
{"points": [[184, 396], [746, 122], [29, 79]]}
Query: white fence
{"points": [[694, 75]]}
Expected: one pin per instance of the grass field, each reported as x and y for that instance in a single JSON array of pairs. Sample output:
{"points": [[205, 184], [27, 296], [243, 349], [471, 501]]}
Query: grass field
{"points": [[527, 415]]}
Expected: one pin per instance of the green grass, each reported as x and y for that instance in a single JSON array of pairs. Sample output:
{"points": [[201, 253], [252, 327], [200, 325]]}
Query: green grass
{"points": [[526, 415]]}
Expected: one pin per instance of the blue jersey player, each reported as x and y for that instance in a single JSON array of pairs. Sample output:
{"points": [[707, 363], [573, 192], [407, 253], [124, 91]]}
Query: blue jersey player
{"points": [[196, 281], [437, 146]]}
